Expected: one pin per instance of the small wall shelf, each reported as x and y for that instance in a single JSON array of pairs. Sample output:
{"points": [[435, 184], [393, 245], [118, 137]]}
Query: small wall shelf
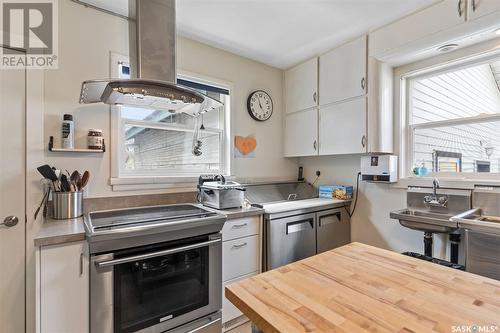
{"points": [[74, 150]]}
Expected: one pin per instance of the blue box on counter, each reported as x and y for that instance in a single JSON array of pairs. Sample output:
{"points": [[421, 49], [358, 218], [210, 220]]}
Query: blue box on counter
{"points": [[342, 192]]}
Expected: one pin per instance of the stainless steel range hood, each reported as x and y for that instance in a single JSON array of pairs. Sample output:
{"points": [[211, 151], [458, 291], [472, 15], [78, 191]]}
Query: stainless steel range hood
{"points": [[155, 87]]}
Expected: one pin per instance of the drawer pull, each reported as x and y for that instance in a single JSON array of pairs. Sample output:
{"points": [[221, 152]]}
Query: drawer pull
{"points": [[239, 246], [239, 226]]}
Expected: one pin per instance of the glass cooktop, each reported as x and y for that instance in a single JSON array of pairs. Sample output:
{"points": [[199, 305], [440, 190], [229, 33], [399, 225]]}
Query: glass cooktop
{"points": [[123, 218]]}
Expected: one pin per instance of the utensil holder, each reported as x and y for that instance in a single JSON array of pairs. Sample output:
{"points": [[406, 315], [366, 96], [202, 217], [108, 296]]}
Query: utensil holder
{"points": [[67, 205]]}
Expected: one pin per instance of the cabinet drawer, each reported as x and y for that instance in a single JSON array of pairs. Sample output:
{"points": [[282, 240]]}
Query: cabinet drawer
{"points": [[238, 228], [240, 257], [229, 311]]}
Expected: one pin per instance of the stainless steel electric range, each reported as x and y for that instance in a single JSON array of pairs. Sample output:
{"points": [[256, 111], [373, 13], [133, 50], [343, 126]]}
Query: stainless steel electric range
{"points": [[155, 269]]}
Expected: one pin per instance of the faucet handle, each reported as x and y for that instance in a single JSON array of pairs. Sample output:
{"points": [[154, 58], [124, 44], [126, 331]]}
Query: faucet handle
{"points": [[443, 200]]}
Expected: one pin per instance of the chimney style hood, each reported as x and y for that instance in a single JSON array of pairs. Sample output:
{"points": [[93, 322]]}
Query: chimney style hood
{"points": [[156, 68]]}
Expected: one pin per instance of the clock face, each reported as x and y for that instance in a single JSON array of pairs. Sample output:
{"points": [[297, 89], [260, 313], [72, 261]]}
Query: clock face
{"points": [[260, 105]]}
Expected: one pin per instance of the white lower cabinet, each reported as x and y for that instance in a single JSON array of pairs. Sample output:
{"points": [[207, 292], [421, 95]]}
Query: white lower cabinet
{"points": [[342, 128], [301, 133], [241, 258], [229, 311], [62, 288]]}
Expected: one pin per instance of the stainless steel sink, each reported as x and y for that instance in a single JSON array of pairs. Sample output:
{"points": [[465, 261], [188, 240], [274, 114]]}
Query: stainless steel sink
{"points": [[476, 220], [424, 221], [430, 209]]}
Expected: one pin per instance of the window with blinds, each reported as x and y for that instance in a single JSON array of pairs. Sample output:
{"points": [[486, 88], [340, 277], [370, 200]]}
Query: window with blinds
{"points": [[454, 119], [160, 143]]}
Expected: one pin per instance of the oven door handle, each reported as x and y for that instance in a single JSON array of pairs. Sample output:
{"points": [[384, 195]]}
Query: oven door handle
{"points": [[108, 263]]}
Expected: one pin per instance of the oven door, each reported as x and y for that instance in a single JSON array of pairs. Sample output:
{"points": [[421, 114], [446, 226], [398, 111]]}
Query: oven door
{"points": [[157, 287]]}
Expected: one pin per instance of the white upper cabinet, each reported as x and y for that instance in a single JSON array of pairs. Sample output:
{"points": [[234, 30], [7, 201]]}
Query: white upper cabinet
{"points": [[342, 72], [479, 8], [301, 86], [301, 133], [417, 27], [342, 128]]}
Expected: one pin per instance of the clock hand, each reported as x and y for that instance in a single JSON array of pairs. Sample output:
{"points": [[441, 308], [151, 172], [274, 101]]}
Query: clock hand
{"points": [[260, 104]]}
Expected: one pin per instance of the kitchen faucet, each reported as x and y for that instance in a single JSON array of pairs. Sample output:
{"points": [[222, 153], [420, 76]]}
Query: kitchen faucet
{"points": [[435, 186], [434, 200]]}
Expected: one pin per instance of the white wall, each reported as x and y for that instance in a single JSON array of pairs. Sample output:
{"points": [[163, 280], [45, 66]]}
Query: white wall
{"points": [[86, 39]]}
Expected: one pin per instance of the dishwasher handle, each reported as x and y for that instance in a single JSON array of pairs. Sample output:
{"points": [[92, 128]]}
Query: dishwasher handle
{"points": [[298, 226]]}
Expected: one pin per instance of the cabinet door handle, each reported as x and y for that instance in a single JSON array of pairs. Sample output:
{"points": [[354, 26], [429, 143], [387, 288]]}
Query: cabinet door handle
{"points": [[315, 144], [363, 141], [474, 6], [363, 83], [314, 96], [239, 226], [81, 264], [460, 9], [239, 246]]}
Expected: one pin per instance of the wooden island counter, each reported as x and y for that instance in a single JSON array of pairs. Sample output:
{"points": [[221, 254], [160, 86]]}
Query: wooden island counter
{"points": [[360, 288]]}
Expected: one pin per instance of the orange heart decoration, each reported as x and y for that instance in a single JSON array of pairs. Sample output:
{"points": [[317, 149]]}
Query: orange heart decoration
{"points": [[245, 145]]}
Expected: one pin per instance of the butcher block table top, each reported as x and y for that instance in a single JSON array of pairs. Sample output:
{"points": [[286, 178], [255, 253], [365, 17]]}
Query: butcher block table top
{"points": [[360, 288]]}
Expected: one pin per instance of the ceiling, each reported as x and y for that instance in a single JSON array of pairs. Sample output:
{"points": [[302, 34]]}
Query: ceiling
{"points": [[280, 33]]}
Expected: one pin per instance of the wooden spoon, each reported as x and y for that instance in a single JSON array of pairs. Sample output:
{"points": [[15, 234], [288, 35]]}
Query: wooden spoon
{"points": [[84, 180], [75, 179]]}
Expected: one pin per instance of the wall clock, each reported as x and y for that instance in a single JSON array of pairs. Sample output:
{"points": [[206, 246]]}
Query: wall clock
{"points": [[260, 105]]}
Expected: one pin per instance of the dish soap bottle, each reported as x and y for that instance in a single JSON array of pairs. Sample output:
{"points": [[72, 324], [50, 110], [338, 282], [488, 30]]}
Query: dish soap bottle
{"points": [[68, 132]]}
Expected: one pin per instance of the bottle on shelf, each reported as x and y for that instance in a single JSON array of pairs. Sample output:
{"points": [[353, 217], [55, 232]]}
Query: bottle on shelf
{"points": [[68, 132]]}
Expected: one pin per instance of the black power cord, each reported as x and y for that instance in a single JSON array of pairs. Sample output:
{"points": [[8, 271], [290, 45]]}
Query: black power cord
{"points": [[357, 195]]}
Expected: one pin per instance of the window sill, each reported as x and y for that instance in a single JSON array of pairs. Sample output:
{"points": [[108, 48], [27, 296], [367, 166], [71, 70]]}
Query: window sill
{"points": [[180, 183], [447, 182], [153, 183]]}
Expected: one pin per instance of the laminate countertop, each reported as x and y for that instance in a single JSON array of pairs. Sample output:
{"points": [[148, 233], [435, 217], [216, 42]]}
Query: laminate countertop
{"points": [[53, 232], [360, 288]]}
